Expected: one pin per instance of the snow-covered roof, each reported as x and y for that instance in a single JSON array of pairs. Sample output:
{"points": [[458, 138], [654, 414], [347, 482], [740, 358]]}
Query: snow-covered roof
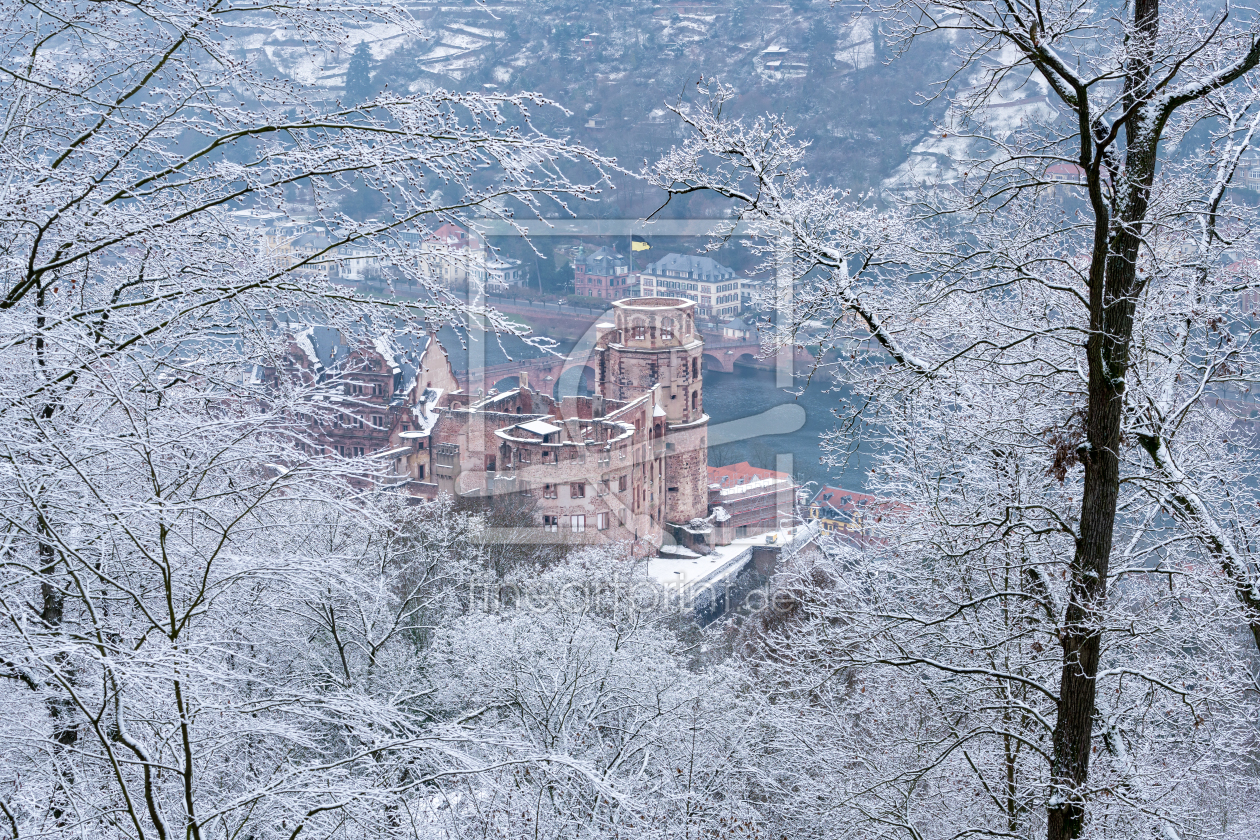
{"points": [[761, 484], [698, 268], [539, 427], [424, 413]]}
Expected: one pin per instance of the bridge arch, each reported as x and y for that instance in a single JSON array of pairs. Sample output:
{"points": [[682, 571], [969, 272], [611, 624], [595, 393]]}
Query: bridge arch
{"points": [[747, 360], [507, 383], [577, 380], [713, 361]]}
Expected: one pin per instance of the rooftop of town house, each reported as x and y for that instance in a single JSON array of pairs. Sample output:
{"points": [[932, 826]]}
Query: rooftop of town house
{"points": [[601, 256], [454, 236], [733, 475], [690, 267], [841, 499]]}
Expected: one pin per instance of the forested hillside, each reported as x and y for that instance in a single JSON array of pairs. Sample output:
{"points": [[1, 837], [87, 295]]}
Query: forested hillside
{"points": [[271, 568]]}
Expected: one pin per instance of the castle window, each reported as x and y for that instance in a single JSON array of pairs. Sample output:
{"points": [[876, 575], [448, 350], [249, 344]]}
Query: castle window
{"points": [[693, 400], [622, 482], [577, 490], [640, 333], [378, 421], [667, 334], [601, 521], [549, 491], [577, 523], [551, 523], [695, 368]]}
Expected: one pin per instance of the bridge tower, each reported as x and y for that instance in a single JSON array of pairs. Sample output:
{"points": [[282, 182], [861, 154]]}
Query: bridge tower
{"points": [[654, 341]]}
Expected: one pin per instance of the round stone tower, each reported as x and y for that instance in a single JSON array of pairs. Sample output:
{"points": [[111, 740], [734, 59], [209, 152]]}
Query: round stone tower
{"points": [[653, 341]]}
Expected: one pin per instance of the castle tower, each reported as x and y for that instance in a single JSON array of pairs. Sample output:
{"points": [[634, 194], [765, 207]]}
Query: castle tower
{"points": [[653, 341]]}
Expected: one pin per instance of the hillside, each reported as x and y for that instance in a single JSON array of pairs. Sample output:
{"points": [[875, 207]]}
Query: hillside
{"points": [[615, 66]]}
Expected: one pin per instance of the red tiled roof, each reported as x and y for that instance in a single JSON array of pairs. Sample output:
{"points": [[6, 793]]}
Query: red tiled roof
{"points": [[734, 474], [452, 234], [838, 497]]}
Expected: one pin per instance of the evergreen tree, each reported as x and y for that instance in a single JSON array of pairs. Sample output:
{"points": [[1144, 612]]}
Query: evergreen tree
{"points": [[822, 47], [359, 74]]}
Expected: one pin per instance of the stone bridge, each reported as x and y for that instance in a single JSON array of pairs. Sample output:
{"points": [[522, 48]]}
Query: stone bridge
{"points": [[544, 374]]}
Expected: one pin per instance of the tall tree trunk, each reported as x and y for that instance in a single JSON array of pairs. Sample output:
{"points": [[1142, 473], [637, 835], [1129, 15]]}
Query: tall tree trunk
{"points": [[1113, 297]]}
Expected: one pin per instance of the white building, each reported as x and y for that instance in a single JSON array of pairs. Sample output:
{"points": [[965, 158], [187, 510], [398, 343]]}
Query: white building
{"points": [[713, 286], [454, 257], [502, 274]]}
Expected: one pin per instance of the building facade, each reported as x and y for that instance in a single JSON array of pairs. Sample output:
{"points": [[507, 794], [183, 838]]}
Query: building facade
{"points": [[371, 397], [602, 273], [628, 463], [756, 500], [714, 287], [454, 257]]}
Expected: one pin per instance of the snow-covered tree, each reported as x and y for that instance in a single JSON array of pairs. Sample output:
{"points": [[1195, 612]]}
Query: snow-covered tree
{"points": [[576, 693], [1059, 373], [203, 625]]}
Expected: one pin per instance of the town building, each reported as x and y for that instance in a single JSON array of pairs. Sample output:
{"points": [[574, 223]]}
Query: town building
{"points": [[739, 329], [714, 287], [1067, 179], [753, 293], [455, 257], [502, 274], [756, 500], [602, 273], [850, 515], [287, 244]]}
